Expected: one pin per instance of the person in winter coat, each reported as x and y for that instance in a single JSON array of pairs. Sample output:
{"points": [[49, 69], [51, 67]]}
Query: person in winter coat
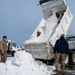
{"points": [[61, 49], [3, 49]]}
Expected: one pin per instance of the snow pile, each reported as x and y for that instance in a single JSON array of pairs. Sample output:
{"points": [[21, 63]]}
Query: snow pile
{"points": [[22, 58], [26, 64], [2, 69], [23, 64]]}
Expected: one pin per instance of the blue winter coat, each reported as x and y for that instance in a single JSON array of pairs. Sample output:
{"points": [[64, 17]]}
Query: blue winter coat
{"points": [[61, 46]]}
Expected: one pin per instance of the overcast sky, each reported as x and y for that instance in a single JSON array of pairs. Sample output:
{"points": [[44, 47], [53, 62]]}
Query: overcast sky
{"points": [[19, 18]]}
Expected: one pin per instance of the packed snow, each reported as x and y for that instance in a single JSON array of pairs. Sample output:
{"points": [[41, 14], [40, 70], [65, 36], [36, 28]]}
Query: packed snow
{"points": [[24, 64]]}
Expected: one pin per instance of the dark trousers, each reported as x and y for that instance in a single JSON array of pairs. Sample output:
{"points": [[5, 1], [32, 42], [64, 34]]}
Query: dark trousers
{"points": [[4, 57]]}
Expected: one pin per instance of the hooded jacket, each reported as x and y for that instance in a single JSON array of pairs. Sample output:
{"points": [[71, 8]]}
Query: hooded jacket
{"points": [[61, 46]]}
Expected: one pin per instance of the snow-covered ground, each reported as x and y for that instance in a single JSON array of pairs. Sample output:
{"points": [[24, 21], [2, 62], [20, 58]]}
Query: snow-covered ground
{"points": [[24, 64]]}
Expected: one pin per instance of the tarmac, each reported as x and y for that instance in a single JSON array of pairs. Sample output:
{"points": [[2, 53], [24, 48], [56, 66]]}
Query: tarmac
{"points": [[69, 70]]}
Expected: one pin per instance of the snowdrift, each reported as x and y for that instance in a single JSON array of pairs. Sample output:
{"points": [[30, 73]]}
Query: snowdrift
{"points": [[23, 64]]}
